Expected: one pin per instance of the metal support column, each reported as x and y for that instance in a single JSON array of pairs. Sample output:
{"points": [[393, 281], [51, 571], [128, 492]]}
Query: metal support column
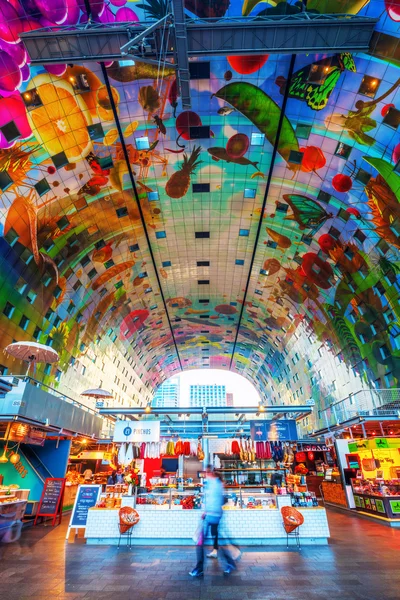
{"points": [[181, 53]]}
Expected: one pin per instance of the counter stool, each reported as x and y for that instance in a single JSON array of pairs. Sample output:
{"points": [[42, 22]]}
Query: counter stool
{"points": [[128, 518], [292, 519]]}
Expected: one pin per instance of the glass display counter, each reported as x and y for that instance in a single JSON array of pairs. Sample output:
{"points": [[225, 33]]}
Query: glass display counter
{"points": [[378, 498]]}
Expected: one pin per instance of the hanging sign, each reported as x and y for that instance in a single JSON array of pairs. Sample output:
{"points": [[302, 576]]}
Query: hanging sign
{"points": [[50, 504], [87, 497], [282, 430], [135, 431]]}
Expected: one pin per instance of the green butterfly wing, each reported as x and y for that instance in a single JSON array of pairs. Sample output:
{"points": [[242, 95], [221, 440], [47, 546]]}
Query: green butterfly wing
{"points": [[299, 84], [308, 213], [317, 97]]}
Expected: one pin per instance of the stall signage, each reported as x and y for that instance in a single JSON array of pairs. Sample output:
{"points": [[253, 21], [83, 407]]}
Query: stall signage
{"points": [[134, 431], [375, 444], [50, 504], [282, 430], [395, 506], [86, 498], [380, 506]]}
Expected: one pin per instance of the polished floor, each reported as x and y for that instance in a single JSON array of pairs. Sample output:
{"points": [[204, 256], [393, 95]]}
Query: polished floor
{"points": [[361, 562]]}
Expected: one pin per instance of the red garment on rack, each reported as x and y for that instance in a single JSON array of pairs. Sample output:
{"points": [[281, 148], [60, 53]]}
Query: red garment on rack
{"points": [[178, 448], [235, 447], [186, 448]]}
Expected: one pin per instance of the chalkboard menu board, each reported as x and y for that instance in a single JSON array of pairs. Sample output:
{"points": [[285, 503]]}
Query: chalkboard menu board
{"points": [[86, 498], [50, 504]]}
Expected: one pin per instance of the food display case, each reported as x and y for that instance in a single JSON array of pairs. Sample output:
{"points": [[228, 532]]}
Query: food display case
{"points": [[377, 497]]}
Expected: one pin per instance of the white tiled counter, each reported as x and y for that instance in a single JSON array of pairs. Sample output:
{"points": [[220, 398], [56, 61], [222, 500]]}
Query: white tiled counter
{"points": [[158, 526]]}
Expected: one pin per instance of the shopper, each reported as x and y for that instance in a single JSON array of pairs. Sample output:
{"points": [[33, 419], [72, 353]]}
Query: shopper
{"points": [[119, 476], [88, 475], [213, 500], [112, 478]]}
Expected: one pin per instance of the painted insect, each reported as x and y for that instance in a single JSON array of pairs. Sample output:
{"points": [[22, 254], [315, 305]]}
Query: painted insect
{"points": [[159, 122], [308, 213], [314, 83]]}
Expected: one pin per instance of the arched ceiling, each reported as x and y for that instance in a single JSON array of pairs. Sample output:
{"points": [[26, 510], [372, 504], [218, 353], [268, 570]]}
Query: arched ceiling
{"points": [[203, 252]]}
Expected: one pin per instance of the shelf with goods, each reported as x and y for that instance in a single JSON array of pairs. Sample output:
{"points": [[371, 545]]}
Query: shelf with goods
{"points": [[170, 498]]}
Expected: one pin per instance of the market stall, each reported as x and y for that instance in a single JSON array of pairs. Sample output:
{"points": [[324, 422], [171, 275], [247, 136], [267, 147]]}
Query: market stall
{"points": [[375, 484]]}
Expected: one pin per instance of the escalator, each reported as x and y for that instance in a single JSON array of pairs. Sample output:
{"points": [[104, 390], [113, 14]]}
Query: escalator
{"points": [[35, 463]]}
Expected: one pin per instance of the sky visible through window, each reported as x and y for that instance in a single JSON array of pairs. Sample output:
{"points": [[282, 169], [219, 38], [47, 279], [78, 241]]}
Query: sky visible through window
{"points": [[244, 393]]}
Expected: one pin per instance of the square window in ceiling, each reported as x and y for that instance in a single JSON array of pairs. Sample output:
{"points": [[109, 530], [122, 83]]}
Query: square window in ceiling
{"points": [[323, 196], [166, 263], [32, 99], [363, 176], [344, 215], [10, 131], [204, 316], [100, 244], [92, 273], [118, 285], [80, 83], [295, 157], [160, 235], [96, 131], [85, 260], [303, 131], [360, 236], [103, 292], [60, 160], [142, 275], [198, 188], [148, 290], [318, 72], [271, 244], [203, 263], [199, 70], [122, 212], [334, 232], [203, 281], [142, 143], [257, 139], [105, 162], [258, 292], [8, 310], [62, 223], [152, 196], [343, 150], [239, 261], [249, 193], [392, 118], [199, 133], [204, 300], [243, 232], [369, 86], [110, 263], [397, 167], [281, 207], [202, 234], [134, 248], [42, 187], [5, 181], [263, 272]]}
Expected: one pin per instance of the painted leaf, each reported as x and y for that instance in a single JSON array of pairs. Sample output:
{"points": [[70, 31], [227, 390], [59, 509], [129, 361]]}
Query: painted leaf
{"points": [[262, 111], [279, 238], [348, 7], [248, 5], [386, 170]]}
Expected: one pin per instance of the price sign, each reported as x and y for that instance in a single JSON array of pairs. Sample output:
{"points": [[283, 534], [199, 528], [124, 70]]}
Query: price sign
{"points": [[86, 498], [50, 504]]}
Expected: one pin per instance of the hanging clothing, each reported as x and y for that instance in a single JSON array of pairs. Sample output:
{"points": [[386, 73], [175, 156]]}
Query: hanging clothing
{"points": [[193, 448], [170, 451], [163, 447], [143, 450], [235, 447], [179, 448], [186, 448]]}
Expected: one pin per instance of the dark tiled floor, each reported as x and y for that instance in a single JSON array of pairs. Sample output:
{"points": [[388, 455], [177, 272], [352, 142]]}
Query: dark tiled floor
{"points": [[361, 562]]}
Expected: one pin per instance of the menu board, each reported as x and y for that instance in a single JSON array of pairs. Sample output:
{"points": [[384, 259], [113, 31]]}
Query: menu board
{"points": [[50, 504], [86, 498]]}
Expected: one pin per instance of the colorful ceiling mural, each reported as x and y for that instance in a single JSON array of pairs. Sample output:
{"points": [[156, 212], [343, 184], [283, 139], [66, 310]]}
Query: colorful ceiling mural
{"points": [[130, 222]]}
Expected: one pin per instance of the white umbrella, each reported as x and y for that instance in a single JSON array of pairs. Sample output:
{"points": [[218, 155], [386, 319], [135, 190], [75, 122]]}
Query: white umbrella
{"points": [[129, 455], [32, 352], [97, 393], [122, 454]]}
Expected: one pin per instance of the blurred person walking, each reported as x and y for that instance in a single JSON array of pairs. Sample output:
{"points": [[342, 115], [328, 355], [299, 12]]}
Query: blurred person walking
{"points": [[213, 501]]}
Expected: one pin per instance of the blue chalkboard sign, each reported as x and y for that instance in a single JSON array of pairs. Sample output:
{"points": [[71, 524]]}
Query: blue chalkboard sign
{"points": [[86, 498]]}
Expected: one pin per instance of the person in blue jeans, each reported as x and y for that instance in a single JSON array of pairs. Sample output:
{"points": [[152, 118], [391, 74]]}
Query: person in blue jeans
{"points": [[213, 501]]}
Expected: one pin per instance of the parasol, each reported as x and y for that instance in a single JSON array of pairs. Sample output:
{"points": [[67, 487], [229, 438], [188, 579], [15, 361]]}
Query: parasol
{"points": [[32, 353], [122, 454], [128, 455], [98, 393]]}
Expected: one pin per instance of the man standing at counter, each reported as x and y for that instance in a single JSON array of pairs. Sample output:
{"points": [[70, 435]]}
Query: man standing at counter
{"points": [[213, 501]]}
